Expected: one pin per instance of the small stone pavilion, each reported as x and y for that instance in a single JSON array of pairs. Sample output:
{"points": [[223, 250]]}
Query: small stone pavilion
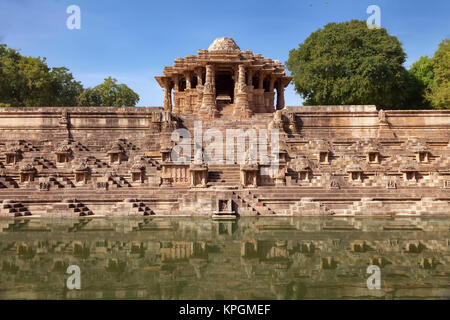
{"points": [[224, 80]]}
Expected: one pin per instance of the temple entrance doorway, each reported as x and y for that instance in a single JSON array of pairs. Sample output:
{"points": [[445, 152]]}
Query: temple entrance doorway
{"points": [[224, 91]]}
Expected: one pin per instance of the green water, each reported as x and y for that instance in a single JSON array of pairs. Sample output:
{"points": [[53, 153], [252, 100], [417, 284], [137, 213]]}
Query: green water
{"points": [[251, 258]]}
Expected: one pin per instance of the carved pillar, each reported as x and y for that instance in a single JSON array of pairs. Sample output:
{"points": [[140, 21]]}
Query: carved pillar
{"points": [[250, 77], [176, 88], [280, 95], [167, 95], [187, 75], [261, 80], [241, 106], [199, 74], [209, 94], [272, 83]]}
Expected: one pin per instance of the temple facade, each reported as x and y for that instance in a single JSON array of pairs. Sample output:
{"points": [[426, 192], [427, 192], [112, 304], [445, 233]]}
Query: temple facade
{"points": [[224, 80]]}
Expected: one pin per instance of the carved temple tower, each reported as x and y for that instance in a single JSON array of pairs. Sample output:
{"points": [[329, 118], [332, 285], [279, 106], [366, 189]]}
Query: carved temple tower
{"points": [[224, 80]]}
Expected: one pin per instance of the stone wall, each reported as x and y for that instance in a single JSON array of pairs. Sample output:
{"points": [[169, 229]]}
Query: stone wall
{"points": [[339, 160]]}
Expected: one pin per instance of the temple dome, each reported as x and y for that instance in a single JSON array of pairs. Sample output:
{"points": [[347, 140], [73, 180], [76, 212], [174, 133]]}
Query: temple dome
{"points": [[223, 44]]}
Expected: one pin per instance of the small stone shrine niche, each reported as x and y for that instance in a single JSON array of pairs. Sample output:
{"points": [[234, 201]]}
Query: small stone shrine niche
{"points": [[373, 154], [302, 166], [12, 156], [324, 152], [63, 154], [27, 173], [138, 173], [373, 157], [410, 173], [82, 173], [419, 148], [355, 173], [116, 154], [166, 154]]}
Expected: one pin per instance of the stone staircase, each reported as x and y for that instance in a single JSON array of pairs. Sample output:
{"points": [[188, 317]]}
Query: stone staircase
{"points": [[8, 182], [226, 175], [249, 204], [118, 182], [10, 209], [69, 208], [131, 207], [42, 163]]}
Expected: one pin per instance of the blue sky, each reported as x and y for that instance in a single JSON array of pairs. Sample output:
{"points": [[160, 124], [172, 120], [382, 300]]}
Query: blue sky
{"points": [[133, 40]]}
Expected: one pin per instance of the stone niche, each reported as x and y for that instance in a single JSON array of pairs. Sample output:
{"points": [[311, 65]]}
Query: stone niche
{"points": [[138, 173], [199, 175], [27, 173], [249, 175], [12, 156], [410, 174], [303, 169], [63, 154], [81, 174], [423, 156], [165, 154], [373, 156], [355, 173], [224, 207], [116, 154], [421, 151]]}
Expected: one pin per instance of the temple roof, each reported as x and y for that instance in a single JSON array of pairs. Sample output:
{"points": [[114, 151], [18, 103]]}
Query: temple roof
{"points": [[223, 44]]}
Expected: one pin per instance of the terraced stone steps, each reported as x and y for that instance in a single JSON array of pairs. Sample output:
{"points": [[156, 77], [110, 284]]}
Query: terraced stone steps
{"points": [[10, 208]]}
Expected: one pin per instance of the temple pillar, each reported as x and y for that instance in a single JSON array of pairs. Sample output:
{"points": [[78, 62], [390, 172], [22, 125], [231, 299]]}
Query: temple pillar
{"points": [[241, 106], [250, 77], [209, 94], [261, 80], [280, 95], [167, 95], [176, 89], [199, 74], [187, 75]]}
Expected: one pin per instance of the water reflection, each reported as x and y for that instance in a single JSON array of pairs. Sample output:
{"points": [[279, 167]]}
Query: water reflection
{"points": [[197, 258]]}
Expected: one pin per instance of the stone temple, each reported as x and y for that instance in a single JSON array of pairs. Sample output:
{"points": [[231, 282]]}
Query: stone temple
{"points": [[224, 80], [331, 160]]}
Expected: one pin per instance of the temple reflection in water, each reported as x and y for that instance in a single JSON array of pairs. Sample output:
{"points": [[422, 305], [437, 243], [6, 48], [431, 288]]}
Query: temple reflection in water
{"points": [[267, 258]]}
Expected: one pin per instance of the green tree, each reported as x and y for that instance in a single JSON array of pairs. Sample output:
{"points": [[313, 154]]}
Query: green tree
{"points": [[29, 82], [65, 90], [24, 81], [348, 63], [421, 78], [440, 91], [109, 93]]}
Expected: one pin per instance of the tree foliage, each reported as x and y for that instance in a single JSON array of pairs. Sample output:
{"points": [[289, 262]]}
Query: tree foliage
{"points": [[421, 78], [30, 82], [348, 63], [109, 93], [440, 89]]}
